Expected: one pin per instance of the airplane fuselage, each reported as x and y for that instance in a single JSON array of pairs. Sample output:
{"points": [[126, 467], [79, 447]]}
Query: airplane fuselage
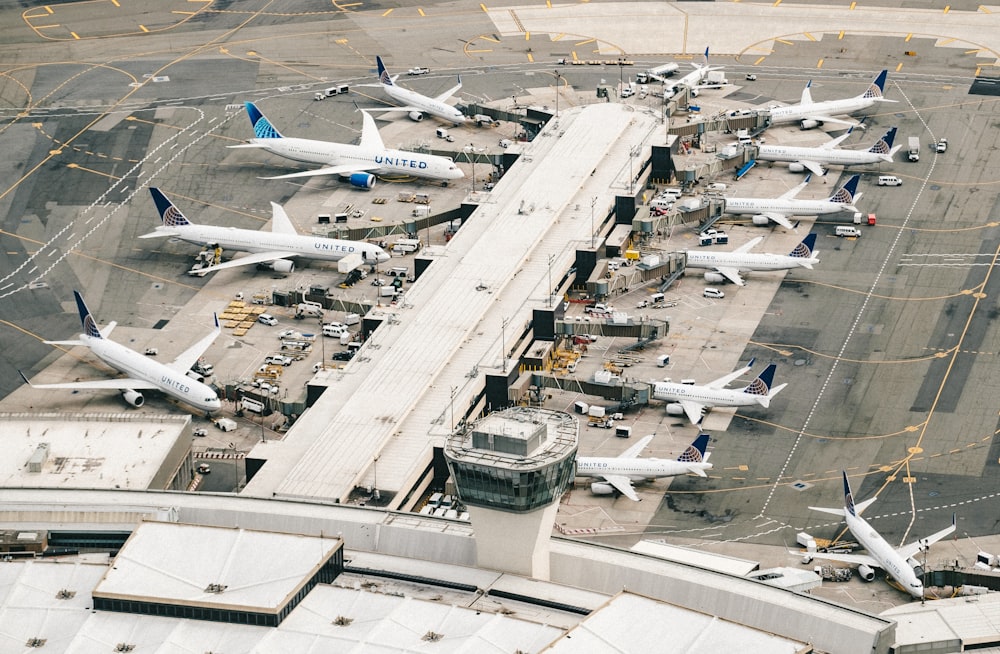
{"points": [[634, 469], [709, 397], [827, 156], [795, 112], [381, 162], [248, 240], [746, 261], [137, 366], [435, 108], [738, 206], [889, 559]]}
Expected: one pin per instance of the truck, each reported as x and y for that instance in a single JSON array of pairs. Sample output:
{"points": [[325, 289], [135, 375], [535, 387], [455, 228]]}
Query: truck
{"points": [[339, 89], [913, 148], [715, 78], [304, 309], [657, 74]]}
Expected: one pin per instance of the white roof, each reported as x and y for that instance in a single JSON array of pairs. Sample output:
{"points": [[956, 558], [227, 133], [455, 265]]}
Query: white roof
{"points": [[665, 628], [171, 562], [971, 620], [88, 450], [702, 559], [481, 287]]}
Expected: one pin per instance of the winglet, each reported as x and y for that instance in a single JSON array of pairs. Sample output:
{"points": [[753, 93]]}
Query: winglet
{"points": [[807, 178], [215, 316], [86, 318], [383, 74], [170, 215], [750, 362], [262, 127], [29, 384]]}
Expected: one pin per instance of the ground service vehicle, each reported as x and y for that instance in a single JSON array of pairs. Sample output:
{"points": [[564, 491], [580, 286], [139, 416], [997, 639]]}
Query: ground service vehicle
{"points": [[913, 148]]}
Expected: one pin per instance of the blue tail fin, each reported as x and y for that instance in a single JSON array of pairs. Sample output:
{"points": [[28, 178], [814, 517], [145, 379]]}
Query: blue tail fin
{"points": [[695, 452], [262, 127], [805, 249], [383, 74], [884, 144], [848, 496], [170, 215], [877, 87], [86, 318], [762, 385], [846, 193]]}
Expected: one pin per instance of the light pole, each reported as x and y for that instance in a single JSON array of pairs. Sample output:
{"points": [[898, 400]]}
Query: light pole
{"points": [[593, 201], [551, 259], [558, 77]]}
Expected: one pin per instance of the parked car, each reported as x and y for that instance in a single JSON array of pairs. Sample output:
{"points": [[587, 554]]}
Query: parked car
{"points": [[267, 319], [713, 293], [344, 355], [278, 360], [751, 77], [941, 146], [419, 70], [204, 468]]}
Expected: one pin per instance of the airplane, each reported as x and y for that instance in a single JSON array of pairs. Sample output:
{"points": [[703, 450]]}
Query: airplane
{"points": [[143, 373], [658, 74], [693, 80], [897, 562], [417, 104], [358, 163], [692, 399], [778, 209], [827, 154], [728, 265], [811, 114], [272, 249], [619, 472]]}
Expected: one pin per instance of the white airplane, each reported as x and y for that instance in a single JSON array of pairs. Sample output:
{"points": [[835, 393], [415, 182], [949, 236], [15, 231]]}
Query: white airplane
{"points": [[813, 159], [659, 73], [765, 210], [728, 265], [693, 80], [417, 104], [897, 562], [811, 114], [273, 248], [619, 472], [143, 373], [692, 400], [358, 163]]}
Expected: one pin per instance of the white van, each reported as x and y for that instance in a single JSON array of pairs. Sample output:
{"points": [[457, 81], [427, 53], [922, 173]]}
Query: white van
{"points": [[714, 293], [334, 330], [889, 180], [406, 245], [848, 231], [250, 404]]}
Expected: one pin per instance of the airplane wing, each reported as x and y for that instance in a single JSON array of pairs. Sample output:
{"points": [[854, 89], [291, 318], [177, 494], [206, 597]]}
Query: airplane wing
{"points": [[623, 485], [906, 551], [779, 218], [634, 451], [833, 143], [260, 257], [280, 223], [732, 274], [693, 410], [746, 247], [344, 169], [187, 358], [794, 191], [450, 92], [725, 379], [830, 119], [865, 559], [812, 167]]}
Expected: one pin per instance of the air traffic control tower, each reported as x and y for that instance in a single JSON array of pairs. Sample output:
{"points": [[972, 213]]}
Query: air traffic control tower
{"points": [[510, 469]]}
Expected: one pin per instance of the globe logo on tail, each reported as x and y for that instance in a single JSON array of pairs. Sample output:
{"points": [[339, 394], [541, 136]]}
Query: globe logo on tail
{"points": [[173, 217], [873, 92], [849, 503], [756, 387], [90, 327], [881, 147], [384, 77], [842, 195], [264, 130], [800, 251], [690, 455]]}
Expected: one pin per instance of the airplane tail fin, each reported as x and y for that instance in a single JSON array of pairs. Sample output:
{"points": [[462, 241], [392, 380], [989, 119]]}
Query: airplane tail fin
{"points": [[848, 496], [806, 94], [383, 74], [170, 215], [704, 59], [806, 248], [90, 327], [847, 193], [877, 86], [761, 386], [262, 127], [695, 452], [884, 145]]}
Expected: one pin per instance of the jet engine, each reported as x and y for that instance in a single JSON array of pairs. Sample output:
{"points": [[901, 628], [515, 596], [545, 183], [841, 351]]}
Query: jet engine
{"points": [[796, 167], [362, 180], [694, 93], [866, 572], [760, 220], [714, 278], [416, 115], [601, 488], [675, 409], [134, 398], [809, 123], [279, 265]]}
